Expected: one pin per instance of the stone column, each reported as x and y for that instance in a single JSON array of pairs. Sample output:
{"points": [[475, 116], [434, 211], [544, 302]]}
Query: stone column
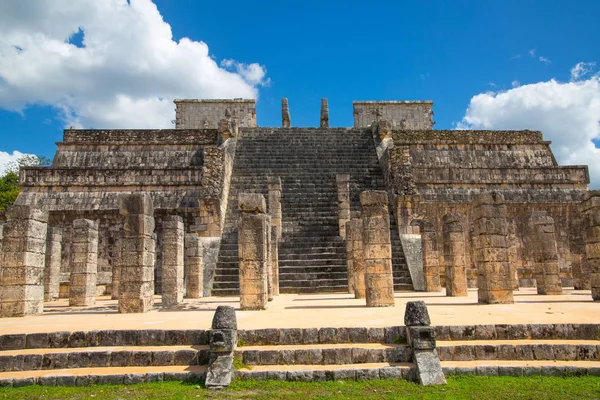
{"points": [[172, 260], [355, 258], [407, 208], [22, 261], [274, 187], [590, 210], [343, 193], [136, 287], [194, 275], [545, 254], [53, 261], [581, 277], [116, 268], [379, 281], [454, 256], [84, 263], [269, 262], [253, 251], [494, 278], [222, 340], [285, 114], [324, 114], [275, 260], [431, 258]]}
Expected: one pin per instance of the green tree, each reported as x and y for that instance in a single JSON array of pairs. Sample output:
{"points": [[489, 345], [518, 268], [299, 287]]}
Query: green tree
{"points": [[9, 183]]}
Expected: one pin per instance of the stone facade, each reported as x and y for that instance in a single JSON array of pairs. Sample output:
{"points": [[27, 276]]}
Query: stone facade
{"points": [[379, 281], [590, 208], [136, 286], [253, 252], [545, 254], [494, 280], [454, 256], [173, 249], [22, 262], [53, 260], [206, 114], [84, 263], [194, 275], [401, 114]]}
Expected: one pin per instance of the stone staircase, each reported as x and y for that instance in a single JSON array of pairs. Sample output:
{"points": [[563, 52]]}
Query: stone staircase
{"points": [[311, 253], [295, 354]]}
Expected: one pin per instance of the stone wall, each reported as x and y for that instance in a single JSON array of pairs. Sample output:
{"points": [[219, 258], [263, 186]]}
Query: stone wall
{"points": [[448, 168], [199, 114], [401, 114]]}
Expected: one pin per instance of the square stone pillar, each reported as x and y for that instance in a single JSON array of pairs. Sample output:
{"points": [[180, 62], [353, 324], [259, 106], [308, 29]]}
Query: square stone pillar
{"points": [[84, 263], [136, 286], [545, 254], [116, 268], [379, 281], [590, 210], [343, 193], [494, 278], [275, 260], [581, 277], [53, 262], [355, 258], [253, 251], [269, 262], [455, 263], [22, 262], [274, 186], [194, 274], [285, 114], [407, 209], [431, 258], [172, 260], [324, 114]]}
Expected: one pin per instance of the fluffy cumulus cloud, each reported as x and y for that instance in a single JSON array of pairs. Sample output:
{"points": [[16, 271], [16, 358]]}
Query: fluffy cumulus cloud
{"points": [[8, 161], [109, 63], [568, 114]]}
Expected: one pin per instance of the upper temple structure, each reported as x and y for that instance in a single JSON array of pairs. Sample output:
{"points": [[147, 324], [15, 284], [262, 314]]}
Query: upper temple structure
{"points": [[191, 178]]}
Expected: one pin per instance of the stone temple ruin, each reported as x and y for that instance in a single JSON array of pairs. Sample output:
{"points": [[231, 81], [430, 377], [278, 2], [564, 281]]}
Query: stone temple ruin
{"points": [[221, 207]]}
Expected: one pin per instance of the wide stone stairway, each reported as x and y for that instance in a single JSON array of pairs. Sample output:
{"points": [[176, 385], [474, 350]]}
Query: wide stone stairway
{"points": [[311, 252]]}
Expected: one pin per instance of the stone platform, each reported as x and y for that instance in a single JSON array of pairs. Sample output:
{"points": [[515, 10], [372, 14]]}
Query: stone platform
{"points": [[314, 311]]}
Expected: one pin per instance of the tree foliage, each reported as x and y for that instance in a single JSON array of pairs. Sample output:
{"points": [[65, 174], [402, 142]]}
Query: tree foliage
{"points": [[9, 183]]}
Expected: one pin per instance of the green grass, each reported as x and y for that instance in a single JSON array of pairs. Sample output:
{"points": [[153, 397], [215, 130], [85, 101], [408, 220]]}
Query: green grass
{"points": [[463, 387]]}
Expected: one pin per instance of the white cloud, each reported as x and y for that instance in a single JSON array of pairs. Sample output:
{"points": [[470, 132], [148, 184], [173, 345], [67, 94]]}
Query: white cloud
{"points": [[8, 160], [126, 73], [582, 69], [515, 83], [532, 52], [568, 114], [545, 60]]}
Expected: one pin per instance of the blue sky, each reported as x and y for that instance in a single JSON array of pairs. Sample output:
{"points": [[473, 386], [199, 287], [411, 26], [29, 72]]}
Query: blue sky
{"points": [[450, 52]]}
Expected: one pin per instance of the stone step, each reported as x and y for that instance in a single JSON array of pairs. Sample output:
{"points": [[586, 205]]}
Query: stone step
{"points": [[324, 354], [310, 373], [103, 376], [522, 350], [521, 368], [92, 357]]}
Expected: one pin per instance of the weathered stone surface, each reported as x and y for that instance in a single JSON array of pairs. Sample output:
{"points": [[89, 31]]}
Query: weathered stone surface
{"points": [[416, 314], [590, 210], [324, 114], [545, 254], [355, 258], [274, 189], [431, 267], [379, 282], [494, 280], [53, 264], [285, 114], [84, 263], [22, 262], [224, 318], [194, 273], [454, 256], [173, 256], [253, 236], [136, 285], [343, 194]]}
